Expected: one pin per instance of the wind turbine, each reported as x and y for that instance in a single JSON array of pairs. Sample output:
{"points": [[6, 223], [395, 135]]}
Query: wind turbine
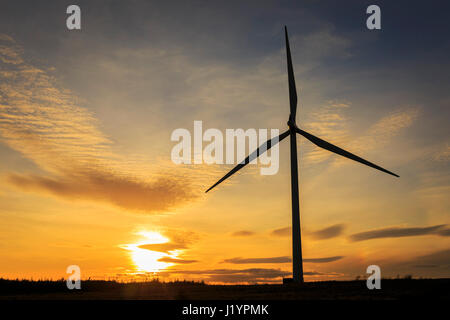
{"points": [[297, 262]]}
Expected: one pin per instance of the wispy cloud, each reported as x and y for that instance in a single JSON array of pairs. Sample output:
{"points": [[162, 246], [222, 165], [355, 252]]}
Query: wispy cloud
{"points": [[324, 260], [163, 247], [283, 259], [315, 46], [46, 124], [328, 232], [382, 131], [257, 260], [281, 232], [251, 275], [444, 232], [242, 233], [397, 232], [175, 260], [436, 259], [331, 124], [443, 154], [178, 240], [125, 192]]}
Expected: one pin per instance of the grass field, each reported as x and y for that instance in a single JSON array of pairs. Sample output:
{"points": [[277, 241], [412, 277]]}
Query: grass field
{"points": [[391, 289]]}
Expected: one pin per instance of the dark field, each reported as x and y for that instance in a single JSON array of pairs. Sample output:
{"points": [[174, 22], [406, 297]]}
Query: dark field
{"points": [[391, 289]]}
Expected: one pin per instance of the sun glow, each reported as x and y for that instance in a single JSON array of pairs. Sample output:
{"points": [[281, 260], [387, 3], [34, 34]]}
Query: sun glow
{"points": [[147, 260]]}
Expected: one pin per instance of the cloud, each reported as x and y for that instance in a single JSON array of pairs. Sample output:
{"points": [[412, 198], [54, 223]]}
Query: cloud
{"points": [[178, 240], [283, 259], [255, 271], [329, 232], [9, 52], [331, 124], [323, 260], [124, 192], [174, 260], [443, 154], [382, 131], [251, 275], [425, 266], [282, 232], [435, 264], [436, 259], [242, 233], [258, 260], [163, 247], [397, 232], [182, 237], [444, 232], [47, 125], [310, 49], [324, 43]]}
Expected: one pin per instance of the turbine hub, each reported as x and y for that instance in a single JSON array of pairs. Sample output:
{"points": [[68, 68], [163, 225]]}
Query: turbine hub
{"points": [[291, 123]]}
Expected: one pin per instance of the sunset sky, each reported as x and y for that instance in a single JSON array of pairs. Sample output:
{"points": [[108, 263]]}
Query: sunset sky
{"points": [[86, 118]]}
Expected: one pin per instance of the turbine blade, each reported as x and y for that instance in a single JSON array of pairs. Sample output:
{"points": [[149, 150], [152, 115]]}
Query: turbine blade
{"points": [[292, 88], [262, 148], [331, 147]]}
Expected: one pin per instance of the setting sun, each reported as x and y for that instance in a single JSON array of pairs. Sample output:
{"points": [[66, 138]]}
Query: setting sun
{"points": [[146, 260]]}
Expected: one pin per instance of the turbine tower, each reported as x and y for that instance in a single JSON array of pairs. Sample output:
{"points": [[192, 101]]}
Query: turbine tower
{"points": [[297, 261]]}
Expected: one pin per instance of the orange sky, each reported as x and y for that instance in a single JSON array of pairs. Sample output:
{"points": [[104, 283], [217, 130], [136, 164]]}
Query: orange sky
{"points": [[87, 177]]}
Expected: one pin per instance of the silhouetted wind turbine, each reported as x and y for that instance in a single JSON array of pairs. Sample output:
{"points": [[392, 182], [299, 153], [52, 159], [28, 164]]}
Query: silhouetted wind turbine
{"points": [[297, 262]]}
